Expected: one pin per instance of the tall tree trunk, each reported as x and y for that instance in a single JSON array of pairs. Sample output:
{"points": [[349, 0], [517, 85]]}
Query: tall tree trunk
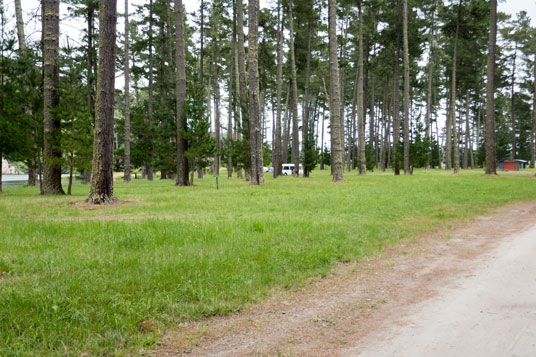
{"points": [[471, 151], [102, 175], [533, 130], [71, 164], [237, 105], [149, 163], [429, 93], [217, 157], [452, 110], [127, 98], [372, 122], [514, 141], [306, 135], [448, 132], [180, 93], [389, 144], [491, 149], [439, 156], [478, 125], [342, 82], [360, 100], [91, 74], [386, 123], [322, 139], [295, 151], [353, 120], [90, 59], [337, 138], [255, 134], [202, 44], [230, 111], [52, 124], [242, 76], [20, 26], [396, 110], [286, 129], [407, 169], [276, 157], [32, 174], [465, 164], [169, 50]]}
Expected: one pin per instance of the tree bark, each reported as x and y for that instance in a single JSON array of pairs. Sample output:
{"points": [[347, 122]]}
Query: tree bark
{"points": [[465, 162], [396, 110], [255, 134], [306, 135], [448, 132], [90, 59], [429, 93], [512, 97], [180, 93], [452, 110], [242, 69], [353, 120], [491, 149], [295, 151], [286, 129], [32, 175], [20, 26], [478, 125], [407, 169], [230, 111], [127, 177], [387, 125], [149, 163], [372, 122], [360, 100], [439, 156], [217, 157], [102, 175], [322, 139], [276, 147], [533, 130], [337, 138], [342, 84], [71, 164], [52, 124], [202, 43]]}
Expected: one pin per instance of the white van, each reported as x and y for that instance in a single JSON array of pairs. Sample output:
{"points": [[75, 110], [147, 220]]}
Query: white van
{"points": [[287, 169]]}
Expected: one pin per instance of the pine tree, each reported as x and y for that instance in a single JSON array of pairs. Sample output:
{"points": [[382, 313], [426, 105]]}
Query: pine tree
{"points": [[52, 127], [180, 92], [491, 159], [255, 134], [101, 191], [337, 139]]}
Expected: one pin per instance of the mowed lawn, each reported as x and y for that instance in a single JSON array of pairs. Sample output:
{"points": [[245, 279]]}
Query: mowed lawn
{"points": [[74, 280]]}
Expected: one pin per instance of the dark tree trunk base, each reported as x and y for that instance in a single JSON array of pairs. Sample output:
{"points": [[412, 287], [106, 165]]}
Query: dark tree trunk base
{"points": [[96, 199]]}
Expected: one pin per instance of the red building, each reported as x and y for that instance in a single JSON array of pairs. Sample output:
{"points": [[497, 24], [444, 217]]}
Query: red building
{"points": [[512, 165]]}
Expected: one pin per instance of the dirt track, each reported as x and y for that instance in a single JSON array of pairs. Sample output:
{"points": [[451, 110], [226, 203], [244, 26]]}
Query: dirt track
{"points": [[411, 294]]}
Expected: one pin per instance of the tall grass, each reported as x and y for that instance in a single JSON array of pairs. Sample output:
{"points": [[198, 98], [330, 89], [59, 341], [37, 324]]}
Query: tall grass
{"points": [[75, 280]]}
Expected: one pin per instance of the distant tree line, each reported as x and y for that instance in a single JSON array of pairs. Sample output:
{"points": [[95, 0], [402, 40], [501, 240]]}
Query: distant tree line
{"points": [[389, 84]]}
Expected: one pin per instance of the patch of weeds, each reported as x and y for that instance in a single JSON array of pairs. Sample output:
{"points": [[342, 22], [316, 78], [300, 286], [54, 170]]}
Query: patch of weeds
{"points": [[258, 227]]}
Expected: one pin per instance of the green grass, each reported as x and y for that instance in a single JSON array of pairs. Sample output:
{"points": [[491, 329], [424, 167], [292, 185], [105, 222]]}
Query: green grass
{"points": [[75, 281]]}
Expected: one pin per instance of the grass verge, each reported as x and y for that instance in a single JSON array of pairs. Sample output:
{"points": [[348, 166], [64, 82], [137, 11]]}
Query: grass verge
{"points": [[104, 281]]}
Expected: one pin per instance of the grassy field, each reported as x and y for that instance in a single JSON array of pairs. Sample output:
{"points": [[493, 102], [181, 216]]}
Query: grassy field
{"points": [[74, 280]]}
